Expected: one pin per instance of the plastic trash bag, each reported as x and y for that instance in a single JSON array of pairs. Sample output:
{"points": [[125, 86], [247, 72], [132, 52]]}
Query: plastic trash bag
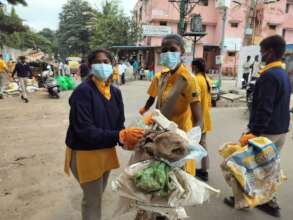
{"points": [[253, 171], [66, 83], [154, 179], [188, 191]]}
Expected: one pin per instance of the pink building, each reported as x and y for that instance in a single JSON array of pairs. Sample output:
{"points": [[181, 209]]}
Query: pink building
{"points": [[273, 18]]}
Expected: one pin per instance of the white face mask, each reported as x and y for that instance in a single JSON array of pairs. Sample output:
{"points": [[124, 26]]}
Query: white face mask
{"points": [[102, 71], [170, 59]]}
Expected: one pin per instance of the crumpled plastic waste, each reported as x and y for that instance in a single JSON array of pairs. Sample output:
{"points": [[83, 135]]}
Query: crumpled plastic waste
{"points": [[164, 144], [187, 191], [252, 171], [66, 83], [155, 179], [169, 147]]}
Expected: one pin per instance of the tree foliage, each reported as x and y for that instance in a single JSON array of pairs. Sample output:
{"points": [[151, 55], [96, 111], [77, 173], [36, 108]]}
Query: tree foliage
{"points": [[15, 2], [113, 27], [74, 31], [16, 35]]}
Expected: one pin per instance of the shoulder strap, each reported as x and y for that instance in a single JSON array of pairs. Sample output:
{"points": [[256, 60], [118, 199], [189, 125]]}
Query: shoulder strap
{"points": [[168, 107]]}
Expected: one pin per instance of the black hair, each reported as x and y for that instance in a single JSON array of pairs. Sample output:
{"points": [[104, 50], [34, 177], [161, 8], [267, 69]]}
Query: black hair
{"points": [[175, 37], [1, 55], [276, 43], [248, 57], [22, 58], [201, 65], [92, 55]]}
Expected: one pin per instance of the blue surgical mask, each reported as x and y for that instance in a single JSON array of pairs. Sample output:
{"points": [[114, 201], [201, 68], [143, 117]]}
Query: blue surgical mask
{"points": [[102, 71], [170, 59]]}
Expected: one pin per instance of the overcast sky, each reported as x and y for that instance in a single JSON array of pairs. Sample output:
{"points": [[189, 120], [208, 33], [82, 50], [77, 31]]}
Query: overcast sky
{"points": [[40, 14]]}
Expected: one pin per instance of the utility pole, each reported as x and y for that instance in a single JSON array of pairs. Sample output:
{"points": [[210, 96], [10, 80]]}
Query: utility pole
{"points": [[182, 9], [222, 46]]}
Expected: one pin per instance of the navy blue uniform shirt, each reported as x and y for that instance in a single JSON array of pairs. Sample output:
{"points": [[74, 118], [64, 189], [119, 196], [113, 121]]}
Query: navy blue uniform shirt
{"points": [[94, 121], [271, 103]]}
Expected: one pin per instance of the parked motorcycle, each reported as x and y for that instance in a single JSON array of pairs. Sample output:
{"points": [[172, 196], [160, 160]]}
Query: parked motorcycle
{"points": [[215, 92], [53, 88], [51, 83]]}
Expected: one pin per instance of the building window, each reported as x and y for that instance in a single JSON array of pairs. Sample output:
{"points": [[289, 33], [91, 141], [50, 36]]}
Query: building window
{"points": [[287, 8], [284, 33], [163, 23], [234, 24], [272, 27], [231, 54], [140, 13], [204, 28], [204, 2]]}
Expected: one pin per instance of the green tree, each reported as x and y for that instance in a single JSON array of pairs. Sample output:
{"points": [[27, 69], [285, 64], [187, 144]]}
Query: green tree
{"points": [[15, 2], [74, 28], [52, 37], [113, 27], [10, 24]]}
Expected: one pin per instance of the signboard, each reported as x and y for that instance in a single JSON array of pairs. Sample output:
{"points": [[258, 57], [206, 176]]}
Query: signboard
{"points": [[156, 31], [219, 59], [253, 52], [223, 3], [232, 43]]}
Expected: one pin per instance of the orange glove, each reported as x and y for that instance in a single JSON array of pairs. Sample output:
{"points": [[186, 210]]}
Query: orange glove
{"points": [[148, 119], [142, 111], [245, 138], [130, 137]]}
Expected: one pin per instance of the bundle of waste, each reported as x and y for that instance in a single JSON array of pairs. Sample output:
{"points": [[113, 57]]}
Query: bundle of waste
{"points": [[253, 171], [164, 144], [155, 181]]}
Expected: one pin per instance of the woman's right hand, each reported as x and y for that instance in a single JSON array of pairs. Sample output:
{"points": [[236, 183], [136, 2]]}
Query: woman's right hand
{"points": [[142, 110], [130, 137]]}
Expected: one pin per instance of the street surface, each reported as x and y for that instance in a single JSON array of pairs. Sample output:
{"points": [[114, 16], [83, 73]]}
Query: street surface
{"points": [[34, 187]]}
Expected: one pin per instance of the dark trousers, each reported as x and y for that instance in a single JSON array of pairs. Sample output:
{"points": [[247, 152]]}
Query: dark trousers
{"points": [[123, 78]]}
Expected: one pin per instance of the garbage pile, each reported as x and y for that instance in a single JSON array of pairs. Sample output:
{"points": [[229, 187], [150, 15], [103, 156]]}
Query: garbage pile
{"points": [[13, 88], [252, 171], [155, 181]]}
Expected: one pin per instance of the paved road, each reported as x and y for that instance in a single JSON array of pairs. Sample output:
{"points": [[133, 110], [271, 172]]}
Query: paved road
{"points": [[33, 186]]}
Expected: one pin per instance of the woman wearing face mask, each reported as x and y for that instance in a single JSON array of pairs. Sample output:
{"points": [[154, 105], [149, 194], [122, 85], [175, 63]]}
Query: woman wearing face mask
{"points": [[176, 90], [205, 85], [96, 126]]}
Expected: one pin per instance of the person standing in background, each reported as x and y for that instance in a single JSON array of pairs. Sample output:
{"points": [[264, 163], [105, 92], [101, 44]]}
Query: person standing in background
{"points": [[246, 71], [61, 69], [23, 71], [205, 85], [122, 70], [83, 70], [135, 66], [3, 70], [255, 67], [67, 71]]}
